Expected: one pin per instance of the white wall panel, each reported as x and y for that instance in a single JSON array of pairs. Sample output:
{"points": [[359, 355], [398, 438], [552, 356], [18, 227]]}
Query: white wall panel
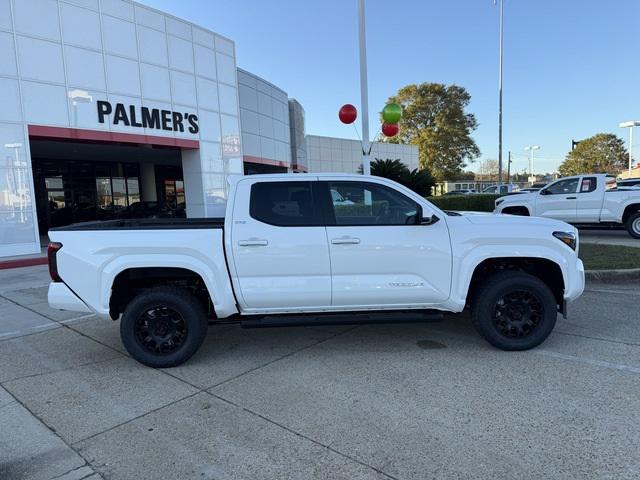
{"points": [[205, 62], [251, 144], [209, 125], [33, 17], [207, 94], [249, 121], [80, 26], [149, 18], [45, 104], [225, 46], [178, 28], [268, 148], [7, 55], [183, 87], [180, 54], [228, 99], [119, 37], [203, 37], [118, 8], [155, 82], [40, 60], [230, 128], [248, 97], [266, 126], [5, 15], [10, 100], [226, 69], [122, 75], [265, 106], [92, 4], [84, 68], [153, 46], [83, 114], [211, 157]]}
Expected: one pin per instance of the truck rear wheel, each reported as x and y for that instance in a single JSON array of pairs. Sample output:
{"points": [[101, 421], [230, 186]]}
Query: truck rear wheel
{"points": [[163, 327], [633, 225], [514, 311]]}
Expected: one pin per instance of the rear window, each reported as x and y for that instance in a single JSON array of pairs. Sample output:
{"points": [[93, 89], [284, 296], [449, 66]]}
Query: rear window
{"points": [[284, 204]]}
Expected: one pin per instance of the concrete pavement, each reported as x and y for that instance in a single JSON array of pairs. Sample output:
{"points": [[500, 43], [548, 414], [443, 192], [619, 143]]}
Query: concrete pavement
{"points": [[387, 401]]}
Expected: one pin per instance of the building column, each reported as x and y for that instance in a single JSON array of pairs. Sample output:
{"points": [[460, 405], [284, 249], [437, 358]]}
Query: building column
{"points": [[148, 178]]}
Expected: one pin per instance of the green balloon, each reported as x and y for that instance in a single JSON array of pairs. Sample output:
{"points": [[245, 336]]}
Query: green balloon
{"points": [[391, 113]]}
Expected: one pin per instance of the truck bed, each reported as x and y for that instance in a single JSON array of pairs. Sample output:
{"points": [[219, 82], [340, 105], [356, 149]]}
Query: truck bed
{"points": [[145, 224]]}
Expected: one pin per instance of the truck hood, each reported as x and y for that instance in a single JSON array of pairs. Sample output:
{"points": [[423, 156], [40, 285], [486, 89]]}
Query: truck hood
{"points": [[519, 197], [500, 220]]}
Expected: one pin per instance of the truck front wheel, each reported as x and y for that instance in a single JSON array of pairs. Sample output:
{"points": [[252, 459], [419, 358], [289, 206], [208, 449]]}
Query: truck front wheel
{"points": [[633, 225], [514, 310], [163, 327]]}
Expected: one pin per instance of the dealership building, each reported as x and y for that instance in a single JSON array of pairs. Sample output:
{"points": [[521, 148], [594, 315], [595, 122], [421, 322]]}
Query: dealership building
{"points": [[109, 106]]}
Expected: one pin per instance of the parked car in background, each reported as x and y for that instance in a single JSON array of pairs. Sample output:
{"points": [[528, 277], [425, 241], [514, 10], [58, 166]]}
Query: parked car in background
{"points": [[147, 209], [291, 252], [462, 191], [502, 189], [580, 200], [628, 182]]}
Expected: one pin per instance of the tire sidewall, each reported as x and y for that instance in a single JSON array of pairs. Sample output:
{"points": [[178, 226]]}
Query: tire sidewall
{"points": [[180, 301], [501, 285], [631, 222]]}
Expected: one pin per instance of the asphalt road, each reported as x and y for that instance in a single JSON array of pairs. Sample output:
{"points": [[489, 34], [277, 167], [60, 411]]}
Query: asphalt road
{"points": [[412, 401]]}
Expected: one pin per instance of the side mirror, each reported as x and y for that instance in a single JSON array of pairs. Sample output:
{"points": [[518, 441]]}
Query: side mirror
{"points": [[429, 220], [544, 191]]}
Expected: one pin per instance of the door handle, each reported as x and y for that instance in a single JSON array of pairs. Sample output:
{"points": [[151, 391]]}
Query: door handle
{"points": [[253, 242], [571, 198], [345, 241]]}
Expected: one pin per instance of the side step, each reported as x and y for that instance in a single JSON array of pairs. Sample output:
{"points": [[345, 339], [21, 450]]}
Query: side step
{"points": [[342, 318]]}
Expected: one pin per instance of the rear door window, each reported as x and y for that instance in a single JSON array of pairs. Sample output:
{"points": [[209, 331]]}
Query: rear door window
{"points": [[588, 184], [284, 204]]}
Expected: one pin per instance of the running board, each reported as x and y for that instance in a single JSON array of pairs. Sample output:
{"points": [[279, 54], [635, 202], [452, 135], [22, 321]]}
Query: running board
{"points": [[343, 318]]}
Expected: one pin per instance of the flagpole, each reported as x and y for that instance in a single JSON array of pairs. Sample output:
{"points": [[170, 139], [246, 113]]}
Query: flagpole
{"points": [[364, 94]]}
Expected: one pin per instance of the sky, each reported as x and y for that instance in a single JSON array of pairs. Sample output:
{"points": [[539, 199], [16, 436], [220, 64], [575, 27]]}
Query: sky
{"points": [[571, 67]]}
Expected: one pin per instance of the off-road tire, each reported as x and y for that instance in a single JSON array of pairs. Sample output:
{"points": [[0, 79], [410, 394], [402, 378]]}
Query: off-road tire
{"points": [[500, 293], [185, 324]]}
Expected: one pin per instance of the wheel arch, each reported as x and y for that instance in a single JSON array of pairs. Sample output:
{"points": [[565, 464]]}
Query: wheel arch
{"points": [[630, 210], [160, 268]]}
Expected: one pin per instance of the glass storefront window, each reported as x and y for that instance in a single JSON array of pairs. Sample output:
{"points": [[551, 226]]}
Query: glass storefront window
{"points": [[119, 193], [133, 190], [103, 187]]}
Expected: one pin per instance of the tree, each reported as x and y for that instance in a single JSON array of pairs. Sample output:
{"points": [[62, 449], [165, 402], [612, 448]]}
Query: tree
{"points": [[434, 119], [602, 153], [420, 181]]}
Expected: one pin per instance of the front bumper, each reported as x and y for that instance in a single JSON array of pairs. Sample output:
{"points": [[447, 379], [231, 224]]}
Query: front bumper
{"points": [[62, 298], [575, 281]]}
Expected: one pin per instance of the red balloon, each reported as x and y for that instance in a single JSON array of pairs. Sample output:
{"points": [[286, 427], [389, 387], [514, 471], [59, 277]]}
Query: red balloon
{"points": [[390, 129], [348, 113]]}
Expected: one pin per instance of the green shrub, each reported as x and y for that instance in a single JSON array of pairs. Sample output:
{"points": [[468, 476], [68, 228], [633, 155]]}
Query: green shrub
{"points": [[469, 203]]}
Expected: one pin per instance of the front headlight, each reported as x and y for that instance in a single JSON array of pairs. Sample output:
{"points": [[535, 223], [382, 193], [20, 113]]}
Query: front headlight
{"points": [[568, 238]]}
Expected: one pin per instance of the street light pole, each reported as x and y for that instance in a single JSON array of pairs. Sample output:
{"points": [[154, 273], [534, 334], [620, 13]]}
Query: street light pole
{"points": [[531, 149], [500, 91], [630, 126], [364, 93]]}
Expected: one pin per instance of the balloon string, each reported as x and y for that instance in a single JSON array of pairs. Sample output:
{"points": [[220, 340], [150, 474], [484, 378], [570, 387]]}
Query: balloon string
{"points": [[357, 133]]}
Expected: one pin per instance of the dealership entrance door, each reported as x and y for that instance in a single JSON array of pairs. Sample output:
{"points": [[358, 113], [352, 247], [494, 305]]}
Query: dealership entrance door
{"points": [[81, 181]]}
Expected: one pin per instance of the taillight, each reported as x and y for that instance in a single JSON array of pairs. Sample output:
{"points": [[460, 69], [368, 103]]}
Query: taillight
{"points": [[52, 250]]}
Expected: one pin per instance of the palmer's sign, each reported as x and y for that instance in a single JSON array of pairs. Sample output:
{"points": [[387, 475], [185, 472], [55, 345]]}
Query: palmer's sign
{"points": [[143, 117]]}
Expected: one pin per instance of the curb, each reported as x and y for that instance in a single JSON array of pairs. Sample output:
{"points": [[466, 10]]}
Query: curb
{"points": [[25, 262], [613, 275]]}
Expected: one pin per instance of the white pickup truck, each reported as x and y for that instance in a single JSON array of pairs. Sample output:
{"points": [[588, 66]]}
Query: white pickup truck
{"points": [[287, 252], [579, 200]]}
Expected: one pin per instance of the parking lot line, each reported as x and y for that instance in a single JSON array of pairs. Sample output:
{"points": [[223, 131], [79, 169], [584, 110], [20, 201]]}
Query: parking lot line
{"points": [[588, 361]]}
